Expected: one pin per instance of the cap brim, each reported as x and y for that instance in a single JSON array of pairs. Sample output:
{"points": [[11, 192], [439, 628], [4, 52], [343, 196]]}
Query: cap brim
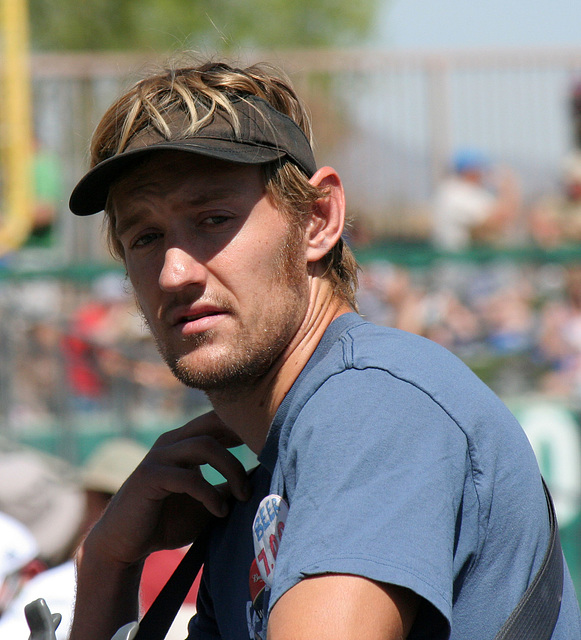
{"points": [[91, 193]]}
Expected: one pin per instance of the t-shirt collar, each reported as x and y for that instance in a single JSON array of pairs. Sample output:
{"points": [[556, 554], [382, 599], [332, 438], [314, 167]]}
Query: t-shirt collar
{"points": [[269, 453]]}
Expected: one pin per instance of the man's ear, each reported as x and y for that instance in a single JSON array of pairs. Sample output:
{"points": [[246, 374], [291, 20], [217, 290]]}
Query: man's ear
{"points": [[328, 216]]}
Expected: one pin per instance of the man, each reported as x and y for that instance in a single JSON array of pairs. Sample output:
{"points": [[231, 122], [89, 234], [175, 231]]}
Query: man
{"points": [[416, 508]]}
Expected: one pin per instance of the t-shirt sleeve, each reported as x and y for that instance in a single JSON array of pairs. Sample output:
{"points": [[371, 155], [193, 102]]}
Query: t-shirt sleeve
{"points": [[374, 471]]}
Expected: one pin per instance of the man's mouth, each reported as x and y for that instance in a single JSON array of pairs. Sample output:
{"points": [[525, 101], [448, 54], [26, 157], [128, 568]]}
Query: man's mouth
{"points": [[197, 320], [197, 316]]}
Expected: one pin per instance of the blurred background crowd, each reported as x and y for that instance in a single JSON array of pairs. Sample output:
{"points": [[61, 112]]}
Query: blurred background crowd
{"points": [[460, 149]]}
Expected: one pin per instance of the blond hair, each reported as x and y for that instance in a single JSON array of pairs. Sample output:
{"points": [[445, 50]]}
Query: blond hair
{"points": [[152, 102]]}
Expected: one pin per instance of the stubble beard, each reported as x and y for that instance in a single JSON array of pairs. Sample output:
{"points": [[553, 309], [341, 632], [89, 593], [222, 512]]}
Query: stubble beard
{"points": [[235, 368]]}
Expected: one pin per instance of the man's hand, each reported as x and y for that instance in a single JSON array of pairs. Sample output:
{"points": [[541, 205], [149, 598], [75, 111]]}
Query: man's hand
{"points": [[166, 501], [164, 504]]}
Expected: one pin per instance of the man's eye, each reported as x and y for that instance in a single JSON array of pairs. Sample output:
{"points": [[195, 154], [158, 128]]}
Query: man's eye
{"points": [[145, 239], [215, 220]]}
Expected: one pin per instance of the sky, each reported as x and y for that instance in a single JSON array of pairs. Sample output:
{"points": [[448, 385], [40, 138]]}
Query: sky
{"points": [[457, 24]]}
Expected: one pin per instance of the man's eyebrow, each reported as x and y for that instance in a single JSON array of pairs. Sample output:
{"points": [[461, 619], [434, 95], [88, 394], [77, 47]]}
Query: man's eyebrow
{"points": [[124, 223], [216, 194]]}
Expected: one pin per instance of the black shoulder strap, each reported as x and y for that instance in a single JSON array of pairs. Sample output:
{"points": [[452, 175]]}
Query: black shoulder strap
{"points": [[536, 614], [159, 617]]}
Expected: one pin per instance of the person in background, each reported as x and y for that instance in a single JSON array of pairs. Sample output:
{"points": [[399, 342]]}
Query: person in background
{"points": [[101, 477], [47, 183], [475, 204], [42, 492], [556, 219], [18, 553]]}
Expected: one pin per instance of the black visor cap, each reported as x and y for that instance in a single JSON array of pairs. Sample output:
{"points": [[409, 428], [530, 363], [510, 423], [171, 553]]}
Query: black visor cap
{"points": [[265, 135]]}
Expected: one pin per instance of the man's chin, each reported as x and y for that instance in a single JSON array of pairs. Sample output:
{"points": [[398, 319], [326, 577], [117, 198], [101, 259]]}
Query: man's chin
{"points": [[216, 374], [209, 380], [186, 364]]}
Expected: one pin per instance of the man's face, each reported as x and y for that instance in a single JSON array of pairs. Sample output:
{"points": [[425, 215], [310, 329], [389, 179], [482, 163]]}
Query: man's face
{"points": [[219, 276]]}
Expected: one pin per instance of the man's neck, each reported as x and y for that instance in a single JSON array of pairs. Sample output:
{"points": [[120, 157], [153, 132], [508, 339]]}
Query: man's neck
{"points": [[249, 414]]}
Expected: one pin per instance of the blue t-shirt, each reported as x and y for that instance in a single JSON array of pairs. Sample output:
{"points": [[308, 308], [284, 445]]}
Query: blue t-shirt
{"points": [[399, 465]]}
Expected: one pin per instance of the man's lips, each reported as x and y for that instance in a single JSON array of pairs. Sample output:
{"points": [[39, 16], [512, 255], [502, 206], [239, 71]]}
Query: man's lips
{"points": [[196, 315]]}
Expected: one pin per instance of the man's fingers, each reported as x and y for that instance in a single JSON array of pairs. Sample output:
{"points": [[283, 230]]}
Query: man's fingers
{"points": [[205, 450], [208, 424], [191, 483], [194, 452]]}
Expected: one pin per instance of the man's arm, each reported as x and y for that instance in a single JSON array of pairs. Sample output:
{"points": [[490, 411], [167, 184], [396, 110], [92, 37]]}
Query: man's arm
{"points": [[164, 504], [343, 607], [107, 597]]}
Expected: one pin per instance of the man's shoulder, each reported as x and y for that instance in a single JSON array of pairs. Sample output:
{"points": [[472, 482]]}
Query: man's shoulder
{"points": [[371, 359], [367, 345], [357, 330]]}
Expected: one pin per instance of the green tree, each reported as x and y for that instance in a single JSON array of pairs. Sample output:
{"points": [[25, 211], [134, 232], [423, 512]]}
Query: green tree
{"points": [[162, 25]]}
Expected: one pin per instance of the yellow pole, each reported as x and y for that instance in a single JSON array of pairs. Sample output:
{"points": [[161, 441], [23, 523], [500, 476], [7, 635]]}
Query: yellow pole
{"points": [[16, 123]]}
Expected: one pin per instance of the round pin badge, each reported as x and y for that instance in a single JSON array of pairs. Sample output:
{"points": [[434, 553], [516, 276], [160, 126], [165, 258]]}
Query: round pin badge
{"points": [[267, 530], [257, 586]]}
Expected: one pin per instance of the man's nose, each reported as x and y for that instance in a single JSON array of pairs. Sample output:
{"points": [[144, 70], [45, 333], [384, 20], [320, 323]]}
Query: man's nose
{"points": [[180, 269]]}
